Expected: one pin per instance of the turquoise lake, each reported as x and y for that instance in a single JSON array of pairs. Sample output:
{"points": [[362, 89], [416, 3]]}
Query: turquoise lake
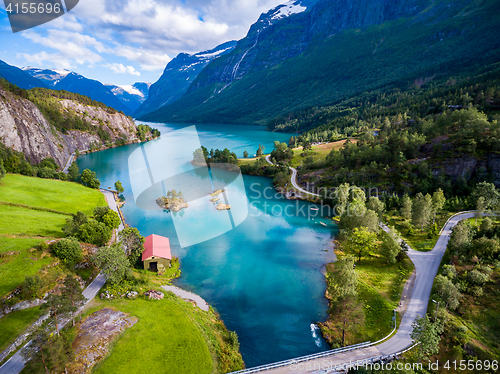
{"points": [[265, 275]]}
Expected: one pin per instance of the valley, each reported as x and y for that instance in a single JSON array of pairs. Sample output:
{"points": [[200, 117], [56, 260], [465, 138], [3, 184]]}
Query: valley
{"points": [[304, 183]]}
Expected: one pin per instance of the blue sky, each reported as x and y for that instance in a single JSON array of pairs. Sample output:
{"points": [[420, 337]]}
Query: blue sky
{"points": [[127, 41]]}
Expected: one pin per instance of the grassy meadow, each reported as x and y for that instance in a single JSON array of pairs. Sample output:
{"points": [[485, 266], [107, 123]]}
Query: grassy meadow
{"points": [[58, 195], [171, 336], [15, 323], [22, 228]]}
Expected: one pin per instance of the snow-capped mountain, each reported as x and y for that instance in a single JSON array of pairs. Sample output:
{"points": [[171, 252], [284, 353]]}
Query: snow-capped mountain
{"points": [[74, 82], [287, 9], [306, 53], [132, 96], [178, 75], [47, 76], [19, 77]]}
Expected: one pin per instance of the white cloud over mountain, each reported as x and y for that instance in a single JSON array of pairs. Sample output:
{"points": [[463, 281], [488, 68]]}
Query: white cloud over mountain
{"points": [[130, 36]]}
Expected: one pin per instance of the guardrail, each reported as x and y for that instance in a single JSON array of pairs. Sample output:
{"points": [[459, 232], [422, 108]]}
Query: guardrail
{"points": [[297, 360], [360, 363]]}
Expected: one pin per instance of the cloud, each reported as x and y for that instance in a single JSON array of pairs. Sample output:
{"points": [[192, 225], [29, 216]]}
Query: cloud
{"points": [[121, 69], [172, 26], [148, 60], [143, 33], [53, 60], [70, 45]]}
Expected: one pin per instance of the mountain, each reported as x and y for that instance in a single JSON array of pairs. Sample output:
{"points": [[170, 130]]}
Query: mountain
{"points": [[73, 82], [131, 96], [303, 55], [46, 123], [178, 75], [19, 77]]}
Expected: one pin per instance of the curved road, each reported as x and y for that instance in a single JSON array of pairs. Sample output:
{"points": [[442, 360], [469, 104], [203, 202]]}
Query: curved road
{"points": [[426, 266], [293, 178], [16, 363]]}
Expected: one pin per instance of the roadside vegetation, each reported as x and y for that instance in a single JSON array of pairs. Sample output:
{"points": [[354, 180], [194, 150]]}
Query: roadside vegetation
{"points": [[364, 285]]}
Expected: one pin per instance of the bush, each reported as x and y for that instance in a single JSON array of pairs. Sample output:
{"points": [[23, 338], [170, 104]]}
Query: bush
{"points": [[94, 232], [477, 277], [447, 291], [69, 251], [111, 219], [46, 173], [48, 162], [449, 271], [89, 179], [30, 287], [100, 211], [2, 169], [477, 291]]}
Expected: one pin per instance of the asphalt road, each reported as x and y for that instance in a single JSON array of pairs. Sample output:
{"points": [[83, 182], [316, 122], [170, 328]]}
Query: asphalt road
{"points": [[426, 266], [293, 178], [68, 163]]}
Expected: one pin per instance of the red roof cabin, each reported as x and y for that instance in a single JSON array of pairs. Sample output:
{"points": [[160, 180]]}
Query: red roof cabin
{"points": [[156, 252]]}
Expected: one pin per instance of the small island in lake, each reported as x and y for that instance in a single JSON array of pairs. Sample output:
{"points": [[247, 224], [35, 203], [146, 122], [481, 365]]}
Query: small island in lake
{"points": [[173, 201], [215, 199]]}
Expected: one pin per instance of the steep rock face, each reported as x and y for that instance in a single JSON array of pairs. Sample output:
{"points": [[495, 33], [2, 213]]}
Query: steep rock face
{"points": [[114, 124], [24, 128], [178, 75]]}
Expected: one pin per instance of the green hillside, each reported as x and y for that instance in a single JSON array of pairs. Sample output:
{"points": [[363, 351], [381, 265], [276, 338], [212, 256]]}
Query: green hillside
{"points": [[34, 210], [439, 41]]}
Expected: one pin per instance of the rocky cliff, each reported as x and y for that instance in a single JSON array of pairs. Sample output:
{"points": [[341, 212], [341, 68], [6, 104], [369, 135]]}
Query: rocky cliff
{"points": [[24, 128]]}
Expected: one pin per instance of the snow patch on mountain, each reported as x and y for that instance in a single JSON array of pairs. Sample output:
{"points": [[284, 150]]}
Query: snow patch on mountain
{"points": [[213, 54], [131, 90], [287, 9]]}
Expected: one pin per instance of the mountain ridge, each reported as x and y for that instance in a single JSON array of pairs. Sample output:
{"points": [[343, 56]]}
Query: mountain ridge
{"points": [[177, 77], [329, 55]]}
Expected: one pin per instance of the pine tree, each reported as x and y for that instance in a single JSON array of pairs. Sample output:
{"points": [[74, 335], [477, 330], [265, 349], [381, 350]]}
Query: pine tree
{"points": [[72, 292]]}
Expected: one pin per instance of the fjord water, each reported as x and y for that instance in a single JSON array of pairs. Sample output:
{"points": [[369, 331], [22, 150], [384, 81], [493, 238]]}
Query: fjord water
{"points": [[265, 276]]}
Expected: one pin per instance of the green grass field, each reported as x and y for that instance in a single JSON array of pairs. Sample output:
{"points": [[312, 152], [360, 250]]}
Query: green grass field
{"points": [[164, 340], [30, 223], [15, 323], [62, 196], [318, 152], [419, 241], [380, 289], [22, 228], [15, 267]]}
